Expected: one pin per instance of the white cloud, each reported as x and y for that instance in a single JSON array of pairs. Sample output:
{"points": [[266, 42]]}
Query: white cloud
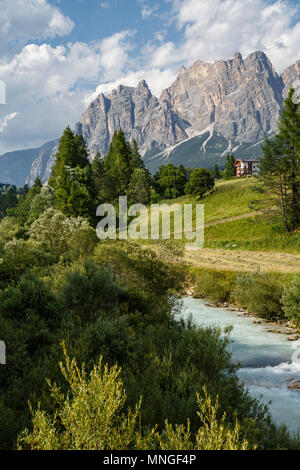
{"points": [[156, 79], [216, 30], [114, 53], [4, 122], [48, 85], [148, 11], [164, 55], [24, 20]]}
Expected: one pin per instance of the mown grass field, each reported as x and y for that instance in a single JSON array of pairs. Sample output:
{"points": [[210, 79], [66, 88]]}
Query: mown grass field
{"points": [[242, 231]]}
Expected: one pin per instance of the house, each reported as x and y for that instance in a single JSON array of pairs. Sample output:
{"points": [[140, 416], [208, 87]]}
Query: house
{"points": [[248, 166]]}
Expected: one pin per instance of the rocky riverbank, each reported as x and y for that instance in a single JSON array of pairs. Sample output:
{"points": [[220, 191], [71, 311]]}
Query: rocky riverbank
{"points": [[281, 326]]}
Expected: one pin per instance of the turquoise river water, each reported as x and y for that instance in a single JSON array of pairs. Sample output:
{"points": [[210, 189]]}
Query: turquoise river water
{"points": [[266, 360]]}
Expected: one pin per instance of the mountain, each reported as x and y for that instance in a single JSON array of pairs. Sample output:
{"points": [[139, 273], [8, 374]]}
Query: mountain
{"points": [[23, 166], [290, 74], [209, 110], [151, 122]]}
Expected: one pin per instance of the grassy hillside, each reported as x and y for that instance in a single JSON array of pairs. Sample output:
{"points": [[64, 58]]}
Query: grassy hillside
{"points": [[242, 233]]}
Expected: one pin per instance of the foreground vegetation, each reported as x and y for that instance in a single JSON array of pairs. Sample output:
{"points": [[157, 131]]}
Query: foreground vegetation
{"points": [[118, 301], [93, 416], [115, 300], [161, 382]]}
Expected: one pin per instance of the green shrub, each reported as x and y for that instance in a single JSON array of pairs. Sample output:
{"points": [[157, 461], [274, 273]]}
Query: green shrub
{"points": [[291, 301], [259, 293], [94, 417], [89, 291], [211, 287]]}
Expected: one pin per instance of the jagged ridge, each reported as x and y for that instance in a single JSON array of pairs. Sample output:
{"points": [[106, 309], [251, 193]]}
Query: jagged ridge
{"points": [[211, 107]]}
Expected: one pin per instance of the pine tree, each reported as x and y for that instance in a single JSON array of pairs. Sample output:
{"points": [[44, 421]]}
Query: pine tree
{"points": [[72, 178], [21, 211], [230, 169], [66, 155], [10, 199], [216, 172], [118, 167], [139, 187], [98, 171], [136, 158], [280, 165]]}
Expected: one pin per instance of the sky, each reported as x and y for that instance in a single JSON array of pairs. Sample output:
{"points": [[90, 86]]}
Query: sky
{"points": [[58, 55]]}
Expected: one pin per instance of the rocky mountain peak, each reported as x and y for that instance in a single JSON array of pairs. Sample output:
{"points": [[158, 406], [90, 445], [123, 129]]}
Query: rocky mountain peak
{"points": [[143, 84], [239, 98], [238, 57], [210, 108]]}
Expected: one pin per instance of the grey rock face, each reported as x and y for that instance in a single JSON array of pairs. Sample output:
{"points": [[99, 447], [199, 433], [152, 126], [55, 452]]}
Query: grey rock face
{"points": [[23, 166], [290, 74], [140, 114], [43, 163], [239, 98], [210, 109]]}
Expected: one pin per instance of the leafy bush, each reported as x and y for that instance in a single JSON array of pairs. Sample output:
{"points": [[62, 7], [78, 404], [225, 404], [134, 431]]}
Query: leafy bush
{"points": [[259, 293], [40, 203], [8, 230], [18, 257], [89, 291], [213, 287], [201, 181], [92, 416], [291, 301], [60, 234]]}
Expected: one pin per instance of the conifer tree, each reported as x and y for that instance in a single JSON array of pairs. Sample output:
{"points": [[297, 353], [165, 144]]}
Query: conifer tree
{"points": [[118, 167], [136, 158], [139, 187], [230, 169], [216, 172], [98, 170], [72, 177], [280, 165]]}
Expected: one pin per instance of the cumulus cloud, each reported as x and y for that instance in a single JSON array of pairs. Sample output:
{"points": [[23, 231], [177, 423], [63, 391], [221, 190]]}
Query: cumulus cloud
{"points": [[114, 53], [216, 30], [156, 79], [4, 122], [24, 20], [48, 85]]}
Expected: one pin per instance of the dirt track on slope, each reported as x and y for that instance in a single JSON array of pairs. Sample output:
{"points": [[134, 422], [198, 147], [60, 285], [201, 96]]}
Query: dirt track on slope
{"points": [[236, 217]]}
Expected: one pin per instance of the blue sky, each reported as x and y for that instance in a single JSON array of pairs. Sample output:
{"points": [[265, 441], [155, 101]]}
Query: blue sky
{"points": [[57, 55], [96, 19]]}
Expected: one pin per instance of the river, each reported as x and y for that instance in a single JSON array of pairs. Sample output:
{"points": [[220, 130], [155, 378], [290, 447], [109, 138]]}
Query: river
{"points": [[265, 359]]}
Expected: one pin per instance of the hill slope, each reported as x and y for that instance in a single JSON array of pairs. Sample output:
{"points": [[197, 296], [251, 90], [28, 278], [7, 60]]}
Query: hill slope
{"points": [[239, 235]]}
